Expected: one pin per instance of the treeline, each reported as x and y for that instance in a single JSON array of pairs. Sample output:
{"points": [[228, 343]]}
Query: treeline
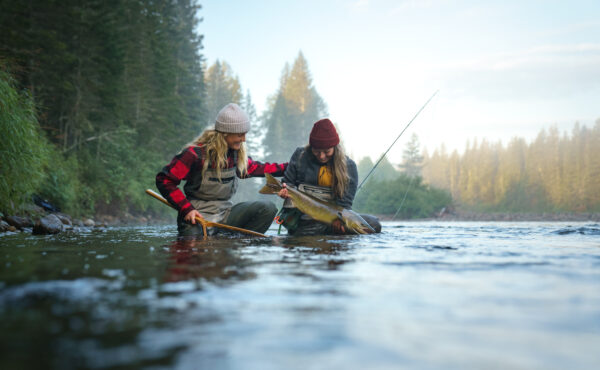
{"points": [[97, 96], [553, 173]]}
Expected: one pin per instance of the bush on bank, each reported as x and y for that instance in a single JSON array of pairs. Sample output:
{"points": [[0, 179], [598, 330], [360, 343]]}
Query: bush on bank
{"points": [[408, 196]]}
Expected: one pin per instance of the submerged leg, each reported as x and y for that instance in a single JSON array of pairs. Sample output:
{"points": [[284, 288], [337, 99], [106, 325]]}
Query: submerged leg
{"points": [[187, 229], [311, 227], [372, 221], [256, 216]]}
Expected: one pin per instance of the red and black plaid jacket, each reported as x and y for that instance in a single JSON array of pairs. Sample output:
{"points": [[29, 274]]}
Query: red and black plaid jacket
{"points": [[172, 174]]}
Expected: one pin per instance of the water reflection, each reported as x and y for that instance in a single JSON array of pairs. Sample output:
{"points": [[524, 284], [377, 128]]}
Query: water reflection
{"points": [[215, 259], [330, 253]]}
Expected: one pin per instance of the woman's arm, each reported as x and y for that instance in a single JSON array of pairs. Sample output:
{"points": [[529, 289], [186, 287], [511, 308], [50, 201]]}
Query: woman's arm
{"points": [[168, 179], [258, 169]]}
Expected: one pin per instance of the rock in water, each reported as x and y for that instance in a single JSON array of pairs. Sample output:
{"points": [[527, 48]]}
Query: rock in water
{"points": [[3, 226], [64, 218], [19, 222], [48, 225]]}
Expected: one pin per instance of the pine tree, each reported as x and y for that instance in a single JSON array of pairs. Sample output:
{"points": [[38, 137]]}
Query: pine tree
{"points": [[257, 132], [292, 112], [222, 88], [412, 160]]}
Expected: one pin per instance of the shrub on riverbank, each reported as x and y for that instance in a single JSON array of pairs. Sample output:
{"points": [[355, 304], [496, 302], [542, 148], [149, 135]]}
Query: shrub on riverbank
{"points": [[407, 196], [23, 148], [30, 163]]}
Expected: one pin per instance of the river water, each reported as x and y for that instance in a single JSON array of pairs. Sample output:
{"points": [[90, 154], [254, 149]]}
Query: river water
{"points": [[422, 295]]}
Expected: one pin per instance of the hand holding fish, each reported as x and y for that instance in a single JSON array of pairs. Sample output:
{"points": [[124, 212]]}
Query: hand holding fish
{"points": [[283, 193], [328, 213], [338, 227]]}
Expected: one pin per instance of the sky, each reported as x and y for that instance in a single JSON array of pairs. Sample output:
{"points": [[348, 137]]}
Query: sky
{"points": [[503, 69]]}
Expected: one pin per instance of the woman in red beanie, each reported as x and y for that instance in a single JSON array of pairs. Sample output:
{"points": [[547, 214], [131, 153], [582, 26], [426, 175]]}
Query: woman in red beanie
{"points": [[323, 170]]}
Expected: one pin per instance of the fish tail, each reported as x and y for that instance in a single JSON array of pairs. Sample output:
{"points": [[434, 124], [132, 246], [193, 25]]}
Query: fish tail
{"points": [[272, 187]]}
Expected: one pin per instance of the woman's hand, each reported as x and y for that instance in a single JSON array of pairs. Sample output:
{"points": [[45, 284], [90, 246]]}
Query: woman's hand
{"points": [[283, 193], [338, 227], [191, 217]]}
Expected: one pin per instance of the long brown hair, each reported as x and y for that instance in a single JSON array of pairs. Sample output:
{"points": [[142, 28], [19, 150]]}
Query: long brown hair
{"points": [[216, 152], [339, 169]]}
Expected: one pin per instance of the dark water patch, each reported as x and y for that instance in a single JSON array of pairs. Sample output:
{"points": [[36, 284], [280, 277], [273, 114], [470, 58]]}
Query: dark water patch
{"points": [[95, 355], [215, 260], [578, 230], [432, 247], [387, 227], [464, 266], [30, 294]]}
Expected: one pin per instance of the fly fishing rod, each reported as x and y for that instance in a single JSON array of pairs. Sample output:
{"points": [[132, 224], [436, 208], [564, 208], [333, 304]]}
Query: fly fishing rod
{"points": [[404, 198], [398, 137]]}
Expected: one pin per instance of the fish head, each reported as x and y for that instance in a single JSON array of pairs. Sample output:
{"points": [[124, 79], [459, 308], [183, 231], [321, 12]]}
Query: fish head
{"points": [[353, 221]]}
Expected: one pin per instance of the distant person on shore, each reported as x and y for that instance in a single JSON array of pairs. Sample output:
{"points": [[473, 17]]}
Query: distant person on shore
{"points": [[211, 166], [322, 170]]}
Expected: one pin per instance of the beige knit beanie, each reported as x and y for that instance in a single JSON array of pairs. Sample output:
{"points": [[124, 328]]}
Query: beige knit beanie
{"points": [[232, 119]]}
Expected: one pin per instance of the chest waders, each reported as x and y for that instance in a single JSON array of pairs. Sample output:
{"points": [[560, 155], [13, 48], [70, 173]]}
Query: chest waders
{"points": [[290, 217], [210, 195]]}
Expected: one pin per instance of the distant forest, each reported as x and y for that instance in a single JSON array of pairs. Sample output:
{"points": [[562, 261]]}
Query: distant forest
{"points": [[554, 173], [97, 96]]}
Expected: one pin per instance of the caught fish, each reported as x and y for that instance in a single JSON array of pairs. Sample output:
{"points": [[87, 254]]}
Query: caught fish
{"points": [[318, 209]]}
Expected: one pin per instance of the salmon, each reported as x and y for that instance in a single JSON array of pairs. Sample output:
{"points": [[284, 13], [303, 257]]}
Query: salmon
{"points": [[318, 209]]}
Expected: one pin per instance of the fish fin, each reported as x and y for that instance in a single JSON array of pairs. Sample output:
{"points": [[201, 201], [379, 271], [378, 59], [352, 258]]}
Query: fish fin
{"points": [[272, 187], [368, 229], [354, 231]]}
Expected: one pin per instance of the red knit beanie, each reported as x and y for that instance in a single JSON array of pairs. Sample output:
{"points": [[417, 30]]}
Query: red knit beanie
{"points": [[323, 135]]}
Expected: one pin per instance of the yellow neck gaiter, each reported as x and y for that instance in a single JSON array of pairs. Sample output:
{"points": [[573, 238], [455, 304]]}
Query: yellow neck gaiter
{"points": [[325, 176]]}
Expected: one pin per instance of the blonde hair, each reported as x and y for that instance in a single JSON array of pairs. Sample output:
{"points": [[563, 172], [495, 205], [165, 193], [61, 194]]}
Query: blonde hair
{"points": [[339, 170], [216, 152]]}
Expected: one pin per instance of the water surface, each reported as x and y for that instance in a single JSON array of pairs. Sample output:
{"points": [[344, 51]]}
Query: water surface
{"points": [[426, 295]]}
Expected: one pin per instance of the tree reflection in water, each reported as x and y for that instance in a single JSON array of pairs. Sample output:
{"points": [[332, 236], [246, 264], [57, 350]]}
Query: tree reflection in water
{"points": [[216, 259], [225, 257]]}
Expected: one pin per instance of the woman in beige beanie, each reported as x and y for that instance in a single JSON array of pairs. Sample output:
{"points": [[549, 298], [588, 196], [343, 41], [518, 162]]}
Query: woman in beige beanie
{"points": [[211, 166]]}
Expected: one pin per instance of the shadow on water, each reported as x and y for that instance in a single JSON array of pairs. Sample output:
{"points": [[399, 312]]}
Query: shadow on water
{"points": [[584, 230], [223, 258]]}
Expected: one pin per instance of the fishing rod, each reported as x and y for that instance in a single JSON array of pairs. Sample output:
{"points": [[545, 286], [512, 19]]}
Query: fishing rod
{"points": [[403, 199], [388, 149]]}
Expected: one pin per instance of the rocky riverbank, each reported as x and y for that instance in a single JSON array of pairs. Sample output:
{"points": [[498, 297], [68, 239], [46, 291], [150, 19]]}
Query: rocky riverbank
{"points": [[37, 221], [41, 223]]}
